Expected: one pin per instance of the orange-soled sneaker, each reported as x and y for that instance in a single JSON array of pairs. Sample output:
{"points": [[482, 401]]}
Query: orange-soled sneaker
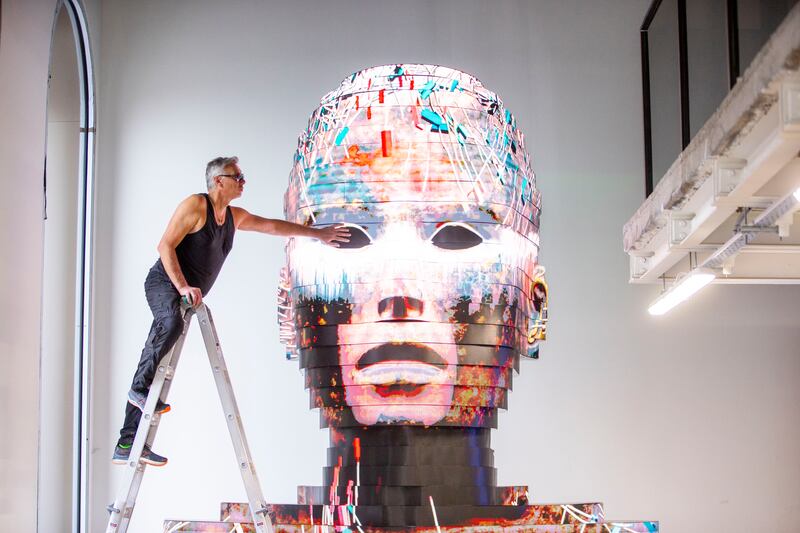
{"points": [[137, 399]]}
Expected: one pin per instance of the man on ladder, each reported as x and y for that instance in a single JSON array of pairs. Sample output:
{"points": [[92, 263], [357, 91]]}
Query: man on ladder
{"points": [[191, 253]]}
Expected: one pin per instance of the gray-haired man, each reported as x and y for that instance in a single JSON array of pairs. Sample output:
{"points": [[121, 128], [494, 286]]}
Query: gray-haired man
{"points": [[191, 253]]}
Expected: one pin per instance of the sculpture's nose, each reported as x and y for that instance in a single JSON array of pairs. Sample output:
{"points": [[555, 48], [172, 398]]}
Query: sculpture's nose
{"points": [[399, 308]]}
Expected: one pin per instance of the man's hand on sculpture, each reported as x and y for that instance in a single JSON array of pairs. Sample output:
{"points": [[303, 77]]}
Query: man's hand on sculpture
{"points": [[192, 294], [333, 235]]}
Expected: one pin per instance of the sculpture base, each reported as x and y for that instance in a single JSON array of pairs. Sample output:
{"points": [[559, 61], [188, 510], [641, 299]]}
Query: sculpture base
{"points": [[536, 518]]}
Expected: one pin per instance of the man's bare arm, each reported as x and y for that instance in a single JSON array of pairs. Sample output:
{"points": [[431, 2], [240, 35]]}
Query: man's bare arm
{"points": [[185, 219], [246, 221]]}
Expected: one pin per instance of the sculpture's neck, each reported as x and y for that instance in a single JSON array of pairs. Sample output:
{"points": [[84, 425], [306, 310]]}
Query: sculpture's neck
{"points": [[411, 446], [406, 464]]}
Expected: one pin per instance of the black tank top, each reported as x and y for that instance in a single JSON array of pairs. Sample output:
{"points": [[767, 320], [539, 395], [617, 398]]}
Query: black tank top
{"points": [[202, 253]]}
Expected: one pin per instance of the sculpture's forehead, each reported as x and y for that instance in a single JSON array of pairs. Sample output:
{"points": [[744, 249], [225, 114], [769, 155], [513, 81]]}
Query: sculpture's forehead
{"points": [[419, 138]]}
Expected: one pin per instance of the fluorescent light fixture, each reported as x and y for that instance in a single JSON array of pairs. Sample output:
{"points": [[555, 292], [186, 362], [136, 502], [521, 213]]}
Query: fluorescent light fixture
{"points": [[682, 289], [686, 286]]}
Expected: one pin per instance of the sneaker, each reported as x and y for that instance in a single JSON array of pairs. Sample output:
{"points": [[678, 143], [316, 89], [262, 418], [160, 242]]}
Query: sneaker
{"points": [[123, 452], [137, 399]]}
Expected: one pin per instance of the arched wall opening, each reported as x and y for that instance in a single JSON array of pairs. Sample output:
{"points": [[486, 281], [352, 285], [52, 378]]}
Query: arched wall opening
{"points": [[66, 277]]}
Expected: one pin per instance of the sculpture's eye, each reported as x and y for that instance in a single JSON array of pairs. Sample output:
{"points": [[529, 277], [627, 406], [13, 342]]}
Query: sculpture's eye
{"points": [[358, 238], [455, 236]]}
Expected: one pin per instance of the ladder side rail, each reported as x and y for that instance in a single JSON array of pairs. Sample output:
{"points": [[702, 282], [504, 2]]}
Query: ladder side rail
{"points": [[122, 508], [126, 503], [258, 507]]}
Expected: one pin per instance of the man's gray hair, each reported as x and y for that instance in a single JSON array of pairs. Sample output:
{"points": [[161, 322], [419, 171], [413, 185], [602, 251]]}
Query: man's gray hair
{"points": [[216, 166]]}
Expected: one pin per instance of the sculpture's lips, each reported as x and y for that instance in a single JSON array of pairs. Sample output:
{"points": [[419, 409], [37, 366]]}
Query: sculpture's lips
{"points": [[401, 367], [399, 352]]}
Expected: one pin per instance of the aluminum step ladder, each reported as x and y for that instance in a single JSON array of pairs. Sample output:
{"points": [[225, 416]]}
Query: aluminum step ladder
{"points": [[122, 508]]}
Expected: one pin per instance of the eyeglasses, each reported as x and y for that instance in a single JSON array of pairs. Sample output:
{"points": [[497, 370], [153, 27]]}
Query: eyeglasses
{"points": [[238, 177]]}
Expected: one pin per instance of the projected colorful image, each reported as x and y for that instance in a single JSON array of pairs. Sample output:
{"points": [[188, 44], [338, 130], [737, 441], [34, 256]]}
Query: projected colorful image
{"points": [[422, 316]]}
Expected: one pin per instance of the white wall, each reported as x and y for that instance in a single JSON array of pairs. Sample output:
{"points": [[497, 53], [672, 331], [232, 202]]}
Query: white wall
{"points": [[690, 419], [24, 54]]}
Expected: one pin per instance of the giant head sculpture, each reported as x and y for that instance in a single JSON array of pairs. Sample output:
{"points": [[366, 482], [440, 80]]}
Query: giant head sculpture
{"points": [[422, 317]]}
